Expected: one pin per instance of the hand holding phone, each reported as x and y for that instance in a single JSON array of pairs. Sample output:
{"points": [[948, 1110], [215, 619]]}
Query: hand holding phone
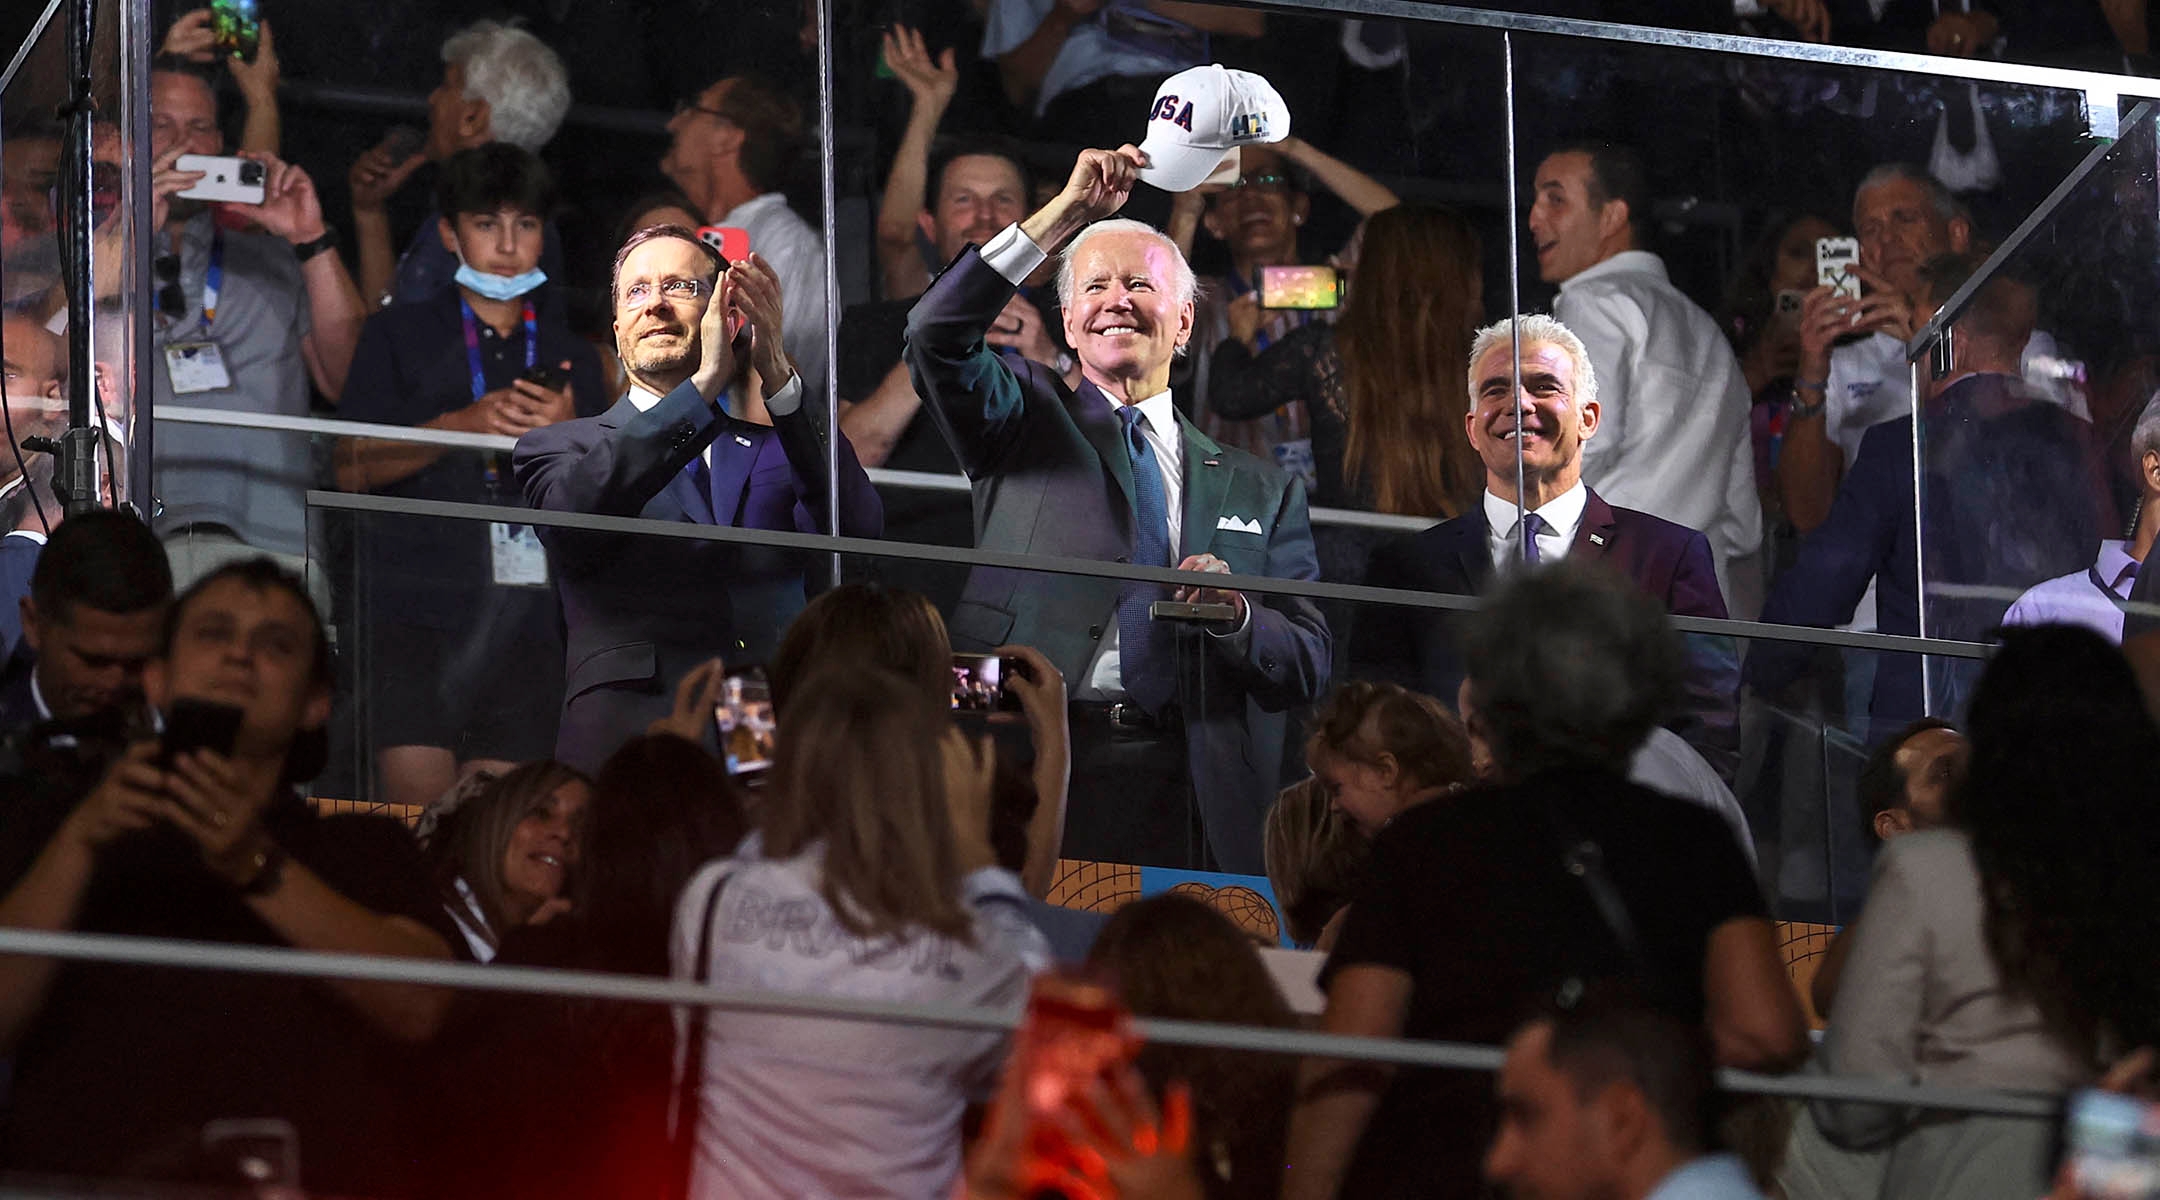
{"points": [[236, 28], [224, 178], [744, 722], [1300, 287], [732, 244], [192, 725], [980, 683], [1835, 258]]}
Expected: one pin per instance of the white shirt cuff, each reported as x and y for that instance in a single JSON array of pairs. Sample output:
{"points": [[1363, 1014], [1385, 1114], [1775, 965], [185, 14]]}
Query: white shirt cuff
{"points": [[1244, 625], [1013, 254], [789, 398]]}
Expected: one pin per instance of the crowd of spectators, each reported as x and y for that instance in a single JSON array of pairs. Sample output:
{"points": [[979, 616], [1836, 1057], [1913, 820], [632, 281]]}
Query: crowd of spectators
{"points": [[1550, 823]]}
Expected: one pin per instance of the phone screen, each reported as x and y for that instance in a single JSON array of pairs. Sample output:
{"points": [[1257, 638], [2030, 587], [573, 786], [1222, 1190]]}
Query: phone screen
{"points": [[1075, 1032], [978, 684], [1835, 258], [236, 27], [1299, 287], [2113, 1146], [743, 716]]}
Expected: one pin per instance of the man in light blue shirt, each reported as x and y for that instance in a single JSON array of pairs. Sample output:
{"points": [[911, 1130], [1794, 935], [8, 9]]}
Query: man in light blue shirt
{"points": [[2095, 597], [1609, 1098]]}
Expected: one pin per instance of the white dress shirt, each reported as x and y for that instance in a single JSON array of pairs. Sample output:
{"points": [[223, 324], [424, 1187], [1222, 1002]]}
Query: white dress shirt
{"points": [[1673, 437], [1562, 516], [797, 255], [780, 404]]}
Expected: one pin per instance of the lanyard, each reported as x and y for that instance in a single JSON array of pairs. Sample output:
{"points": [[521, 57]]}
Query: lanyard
{"points": [[472, 344], [213, 278]]}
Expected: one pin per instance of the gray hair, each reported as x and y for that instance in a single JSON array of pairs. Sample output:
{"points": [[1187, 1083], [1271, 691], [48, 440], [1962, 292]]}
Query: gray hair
{"points": [[1947, 205], [524, 83], [1570, 666], [1536, 329], [2145, 438], [1187, 285]]}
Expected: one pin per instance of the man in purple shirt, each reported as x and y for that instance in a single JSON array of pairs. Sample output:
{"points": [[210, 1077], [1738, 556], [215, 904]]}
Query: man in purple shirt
{"points": [[2094, 597]]}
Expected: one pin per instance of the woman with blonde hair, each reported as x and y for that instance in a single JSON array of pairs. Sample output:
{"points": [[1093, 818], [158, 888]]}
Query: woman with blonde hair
{"points": [[870, 877], [502, 848]]}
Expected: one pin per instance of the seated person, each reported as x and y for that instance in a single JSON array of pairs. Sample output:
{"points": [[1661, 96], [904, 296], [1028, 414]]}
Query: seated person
{"points": [[1315, 859], [502, 848], [92, 618], [469, 598], [216, 847], [1464, 556], [2095, 596], [1379, 749]]}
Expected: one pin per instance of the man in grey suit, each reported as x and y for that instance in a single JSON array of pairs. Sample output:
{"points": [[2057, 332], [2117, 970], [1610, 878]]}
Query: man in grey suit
{"points": [[1171, 719]]}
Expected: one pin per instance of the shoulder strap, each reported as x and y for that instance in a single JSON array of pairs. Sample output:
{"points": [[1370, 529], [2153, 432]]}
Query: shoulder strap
{"points": [[688, 1089], [1582, 858]]}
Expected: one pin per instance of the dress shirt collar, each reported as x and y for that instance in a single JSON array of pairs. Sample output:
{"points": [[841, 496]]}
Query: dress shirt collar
{"points": [[1627, 262], [1711, 1177], [643, 397], [2116, 567], [1159, 409], [37, 696], [1563, 513]]}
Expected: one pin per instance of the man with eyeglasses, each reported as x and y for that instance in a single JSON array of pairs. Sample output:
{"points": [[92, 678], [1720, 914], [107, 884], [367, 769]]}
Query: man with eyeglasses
{"points": [[246, 319], [1259, 219], [713, 432], [733, 145]]}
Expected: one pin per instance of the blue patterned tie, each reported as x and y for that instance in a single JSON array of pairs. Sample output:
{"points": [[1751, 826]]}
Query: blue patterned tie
{"points": [[1532, 526], [1143, 660]]}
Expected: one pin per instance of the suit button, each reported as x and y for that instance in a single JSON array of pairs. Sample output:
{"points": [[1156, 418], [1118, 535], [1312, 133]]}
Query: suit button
{"points": [[1267, 664], [1094, 633], [1124, 558]]}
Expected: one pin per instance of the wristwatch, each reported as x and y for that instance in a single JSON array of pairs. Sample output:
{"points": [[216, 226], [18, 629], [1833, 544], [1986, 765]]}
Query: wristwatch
{"points": [[307, 250], [1800, 411]]}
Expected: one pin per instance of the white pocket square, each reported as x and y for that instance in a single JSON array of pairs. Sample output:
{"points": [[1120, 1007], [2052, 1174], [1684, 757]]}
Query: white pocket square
{"points": [[1249, 525]]}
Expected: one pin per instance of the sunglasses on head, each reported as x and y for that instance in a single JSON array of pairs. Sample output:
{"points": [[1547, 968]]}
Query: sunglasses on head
{"points": [[171, 301]]}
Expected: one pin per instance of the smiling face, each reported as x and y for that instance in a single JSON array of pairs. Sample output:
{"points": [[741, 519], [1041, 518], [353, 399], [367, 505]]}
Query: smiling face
{"points": [[506, 242], [1125, 318], [1258, 219], [1364, 793], [543, 847], [1570, 232], [657, 335], [1900, 229], [1544, 419], [978, 195]]}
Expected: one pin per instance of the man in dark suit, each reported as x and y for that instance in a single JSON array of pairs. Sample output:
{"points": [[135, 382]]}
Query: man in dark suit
{"points": [[1548, 421], [640, 612], [1166, 715], [94, 615]]}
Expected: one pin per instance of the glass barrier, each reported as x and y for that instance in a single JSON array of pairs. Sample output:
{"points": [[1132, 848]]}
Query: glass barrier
{"points": [[34, 289], [454, 656], [2033, 432]]}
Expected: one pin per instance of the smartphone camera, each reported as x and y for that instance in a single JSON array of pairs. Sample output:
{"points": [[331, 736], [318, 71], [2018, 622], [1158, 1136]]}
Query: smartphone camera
{"points": [[979, 683], [251, 172], [743, 719]]}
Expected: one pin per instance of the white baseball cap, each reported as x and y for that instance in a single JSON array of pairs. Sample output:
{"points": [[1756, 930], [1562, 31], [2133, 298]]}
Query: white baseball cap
{"points": [[1200, 119]]}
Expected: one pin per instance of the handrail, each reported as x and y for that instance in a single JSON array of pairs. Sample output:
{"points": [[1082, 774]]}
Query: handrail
{"points": [[597, 985]]}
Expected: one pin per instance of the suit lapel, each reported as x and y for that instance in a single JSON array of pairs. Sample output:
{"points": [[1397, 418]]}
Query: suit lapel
{"points": [[735, 452], [1473, 549], [1102, 429], [1593, 537], [1207, 482]]}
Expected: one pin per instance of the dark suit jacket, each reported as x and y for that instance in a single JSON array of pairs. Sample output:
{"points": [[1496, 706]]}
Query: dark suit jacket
{"points": [[1672, 563], [640, 611], [18, 707], [18, 558], [2011, 500], [1051, 476]]}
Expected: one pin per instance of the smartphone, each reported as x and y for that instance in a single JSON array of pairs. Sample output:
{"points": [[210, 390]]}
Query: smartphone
{"points": [[1300, 287], [732, 243], [1789, 303], [979, 683], [404, 141], [236, 28], [253, 1153], [553, 379], [1835, 258], [743, 719], [1073, 1033], [236, 180], [2112, 1146], [197, 725]]}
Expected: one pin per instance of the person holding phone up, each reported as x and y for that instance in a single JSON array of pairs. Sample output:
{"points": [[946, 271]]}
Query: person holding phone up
{"points": [[473, 598]]}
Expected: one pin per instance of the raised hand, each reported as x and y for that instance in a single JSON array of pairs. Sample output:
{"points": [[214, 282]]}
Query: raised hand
{"points": [[290, 209], [377, 174], [931, 81]]}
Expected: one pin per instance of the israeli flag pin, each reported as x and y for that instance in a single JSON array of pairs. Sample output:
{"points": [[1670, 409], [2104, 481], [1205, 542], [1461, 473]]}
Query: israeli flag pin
{"points": [[740, 440], [1597, 539]]}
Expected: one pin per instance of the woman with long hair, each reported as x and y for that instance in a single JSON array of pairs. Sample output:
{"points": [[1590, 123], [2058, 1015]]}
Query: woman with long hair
{"points": [[503, 848], [870, 877], [1383, 386], [1173, 956]]}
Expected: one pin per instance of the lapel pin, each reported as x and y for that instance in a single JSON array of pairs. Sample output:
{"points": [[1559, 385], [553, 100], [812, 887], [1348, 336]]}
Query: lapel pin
{"points": [[740, 440], [1597, 539], [1213, 462]]}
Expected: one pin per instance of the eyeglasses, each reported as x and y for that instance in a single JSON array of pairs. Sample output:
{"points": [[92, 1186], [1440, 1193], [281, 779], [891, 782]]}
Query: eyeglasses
{"points": [[690, 104], [674, 291], [170, 299], [1269, 182]]}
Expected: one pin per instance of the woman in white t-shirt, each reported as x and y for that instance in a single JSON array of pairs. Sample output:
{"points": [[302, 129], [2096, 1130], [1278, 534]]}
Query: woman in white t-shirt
{"points": [[870, 877]]}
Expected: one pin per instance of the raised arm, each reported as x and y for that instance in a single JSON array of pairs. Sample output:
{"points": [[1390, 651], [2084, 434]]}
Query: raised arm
{"points": [[932, 83], [1352, 186], [291, 210], [258, 83]]}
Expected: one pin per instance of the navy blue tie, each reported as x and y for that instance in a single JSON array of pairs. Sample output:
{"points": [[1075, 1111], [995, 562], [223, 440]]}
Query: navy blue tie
{"points": [[1532, 526], [1143, 658]]}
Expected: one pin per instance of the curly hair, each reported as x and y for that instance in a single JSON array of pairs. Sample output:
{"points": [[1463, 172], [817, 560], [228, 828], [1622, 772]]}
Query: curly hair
{"points": [[1173, 956], [1360, 721], [2060, 805]]}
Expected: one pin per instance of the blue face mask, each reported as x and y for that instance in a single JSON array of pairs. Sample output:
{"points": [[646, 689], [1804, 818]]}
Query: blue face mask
{"points": [[499, 287]]}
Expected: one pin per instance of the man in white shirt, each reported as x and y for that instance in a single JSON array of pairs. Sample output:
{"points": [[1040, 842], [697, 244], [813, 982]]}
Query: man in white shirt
{"points": [[1675, 441], [733, 143], [1166, 716]]}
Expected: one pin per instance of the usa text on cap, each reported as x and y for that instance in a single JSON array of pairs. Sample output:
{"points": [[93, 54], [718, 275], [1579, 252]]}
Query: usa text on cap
{"points": [[1201, 117]]}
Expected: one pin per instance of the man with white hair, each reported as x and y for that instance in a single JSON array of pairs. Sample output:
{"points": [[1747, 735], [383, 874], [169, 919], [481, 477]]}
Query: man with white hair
{"points": [[1549, 420], [500, 84], [1166, 715], [2094, 597]]}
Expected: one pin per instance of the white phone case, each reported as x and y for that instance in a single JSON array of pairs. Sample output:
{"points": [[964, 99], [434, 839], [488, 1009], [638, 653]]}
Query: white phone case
{"points": [[235, 180]]}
